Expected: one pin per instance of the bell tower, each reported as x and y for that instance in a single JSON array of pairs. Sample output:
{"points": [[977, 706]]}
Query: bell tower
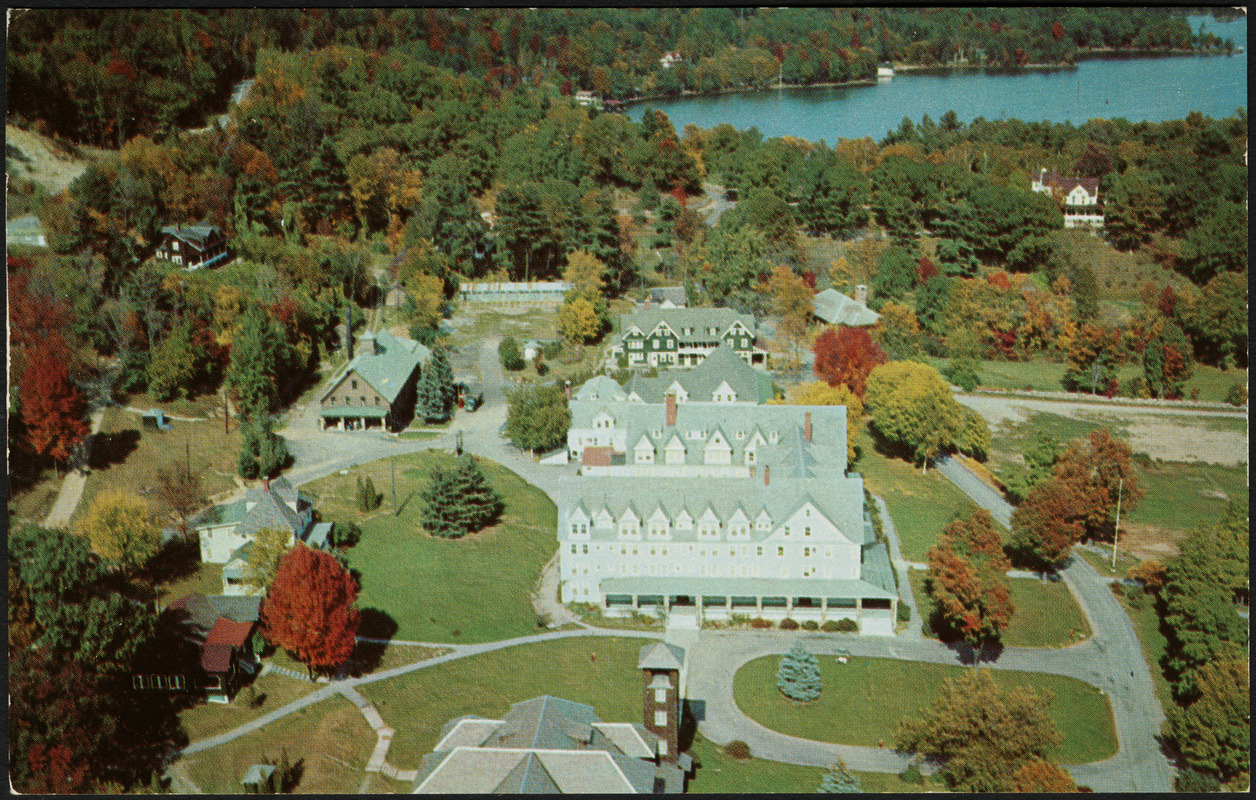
{"points": [[663, 673]]}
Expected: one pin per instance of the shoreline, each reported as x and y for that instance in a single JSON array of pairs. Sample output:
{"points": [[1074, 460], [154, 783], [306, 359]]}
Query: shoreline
{"points": [[1090, 54]]}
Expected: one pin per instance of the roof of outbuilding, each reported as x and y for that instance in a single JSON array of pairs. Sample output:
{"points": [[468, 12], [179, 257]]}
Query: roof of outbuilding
{"points": [[545, 745], [836, 308], [237, 608], [223, 638], [387, 370], [661, 655]]}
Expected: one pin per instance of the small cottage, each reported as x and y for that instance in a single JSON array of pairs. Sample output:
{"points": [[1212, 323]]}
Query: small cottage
{"points": [[193, 246]]}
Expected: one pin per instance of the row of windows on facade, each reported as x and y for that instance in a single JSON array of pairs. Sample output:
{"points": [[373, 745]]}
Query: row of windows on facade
{"points": [[158, 682], [349, 400], [702, 570], [714, 552], [705, 529]]}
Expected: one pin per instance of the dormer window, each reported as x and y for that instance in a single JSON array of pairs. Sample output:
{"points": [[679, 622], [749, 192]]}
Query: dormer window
{"points": [[353, 384]]}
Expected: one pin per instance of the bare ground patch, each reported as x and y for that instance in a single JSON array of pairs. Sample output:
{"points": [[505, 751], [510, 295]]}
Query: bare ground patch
{"points": [[1182, 440]]}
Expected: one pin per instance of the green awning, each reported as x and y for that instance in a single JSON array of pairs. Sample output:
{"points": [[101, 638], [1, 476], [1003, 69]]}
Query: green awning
{"points": [[354, 412], [743, 587]]}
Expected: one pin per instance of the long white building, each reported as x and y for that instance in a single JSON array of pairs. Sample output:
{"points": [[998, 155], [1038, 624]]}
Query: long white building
{"points": [[718, 511]]}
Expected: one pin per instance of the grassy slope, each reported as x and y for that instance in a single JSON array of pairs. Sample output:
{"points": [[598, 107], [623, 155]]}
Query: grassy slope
{"points": [[474, 589], [331, 740], [919, 504], [864, 699], [1147, 626], [1046, 614], [418, 704]]}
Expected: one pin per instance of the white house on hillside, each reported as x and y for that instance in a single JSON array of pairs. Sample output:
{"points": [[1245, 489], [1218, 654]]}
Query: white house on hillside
{"points": [[1078, 196]]}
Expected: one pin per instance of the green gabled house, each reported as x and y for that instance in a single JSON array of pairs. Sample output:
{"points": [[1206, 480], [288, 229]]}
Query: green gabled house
{"points": [[377, 387], [683, 337]]}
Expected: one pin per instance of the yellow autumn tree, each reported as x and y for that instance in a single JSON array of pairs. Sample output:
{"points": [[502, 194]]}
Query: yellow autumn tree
{"points": [[819, 393], [119, 527], [578, 321], [585, 272]]}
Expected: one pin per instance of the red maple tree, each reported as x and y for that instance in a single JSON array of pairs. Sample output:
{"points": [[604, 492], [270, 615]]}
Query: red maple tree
{"points": [[846, 356], [1047, 524], [311, 609], [53, 408], [968, 579], [1098, 469], [925, 269]]}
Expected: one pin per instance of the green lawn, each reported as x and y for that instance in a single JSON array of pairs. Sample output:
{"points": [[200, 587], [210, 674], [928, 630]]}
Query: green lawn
{"points": [[474, 589], [919, 504], [1180, 497], [864, 699], [1046, 614], [269, 693], [331, 741], [718, 773], [600, 671], [1102, 562]]}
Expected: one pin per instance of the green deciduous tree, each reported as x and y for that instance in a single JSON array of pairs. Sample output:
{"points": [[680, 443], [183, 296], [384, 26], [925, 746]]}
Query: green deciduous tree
{"points": [[1040, 455], [798, 676], [982, 733], [259, 354], [537, 418], [175, 364], [269, 547], [968, 580], [895, 277], [1218, 245], [508, 352]]}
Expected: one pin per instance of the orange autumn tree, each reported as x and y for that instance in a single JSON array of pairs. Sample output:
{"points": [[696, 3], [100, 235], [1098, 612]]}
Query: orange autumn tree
{"points": [[1039, 775], [846, 356], [311, 609], [968, 580]]}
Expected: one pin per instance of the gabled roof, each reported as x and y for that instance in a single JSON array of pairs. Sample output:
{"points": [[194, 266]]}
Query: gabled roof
{"points": [[237, 608], [386, 365], [836, 308], [272, 512], [198, 236], [223, 638], [600, 388], [680, 318], [721, 365], [281, 487]]}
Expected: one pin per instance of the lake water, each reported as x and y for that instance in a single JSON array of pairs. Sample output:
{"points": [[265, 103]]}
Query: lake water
{"points": [[1138, 89]]}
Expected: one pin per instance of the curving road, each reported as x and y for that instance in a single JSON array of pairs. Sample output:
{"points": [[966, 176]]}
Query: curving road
{"points": [[1119, 668]]}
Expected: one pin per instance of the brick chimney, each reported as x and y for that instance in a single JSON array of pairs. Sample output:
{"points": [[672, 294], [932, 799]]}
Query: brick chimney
{"points": [[861, 294], [806, 426], [767, 474], [670, 399], [567, 390], [265, 484]]}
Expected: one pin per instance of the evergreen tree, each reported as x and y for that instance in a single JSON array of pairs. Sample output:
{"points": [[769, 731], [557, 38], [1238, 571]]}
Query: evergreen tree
{"points": [[799, 675], [840, 779], [329, 184], [272, 450], [361, 495], [246, 462], [428, 397], [478, 504], [259, 353], [370, 498], [444, 377], [440, 497]]}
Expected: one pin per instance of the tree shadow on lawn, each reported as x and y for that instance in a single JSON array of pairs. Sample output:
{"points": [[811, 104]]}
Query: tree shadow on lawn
{"points": [[178, 558], [367, 656], [112, 448]]}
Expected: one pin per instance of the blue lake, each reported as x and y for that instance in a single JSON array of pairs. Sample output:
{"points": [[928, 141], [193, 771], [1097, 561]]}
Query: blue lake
{"points": [[1139, 89]]}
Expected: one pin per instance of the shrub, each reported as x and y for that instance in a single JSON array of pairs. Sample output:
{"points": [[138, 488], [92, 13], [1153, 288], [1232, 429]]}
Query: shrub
{"points": [[511, 357], [830, 626], [760, 622], [1237, 395], [1149, 573], [847, 625], [912, 775], [788, 624], [1188, 780], [810, 625], [904, 612], [737, 749]]}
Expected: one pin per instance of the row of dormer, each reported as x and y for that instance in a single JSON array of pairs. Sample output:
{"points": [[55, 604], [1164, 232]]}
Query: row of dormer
{"points": [[806, 523]]}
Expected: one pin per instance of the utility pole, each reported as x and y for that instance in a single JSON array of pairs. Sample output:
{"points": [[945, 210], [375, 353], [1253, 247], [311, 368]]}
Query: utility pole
{"points": [[226, 412], [1119, 487], [187, 452], [392, 466]]}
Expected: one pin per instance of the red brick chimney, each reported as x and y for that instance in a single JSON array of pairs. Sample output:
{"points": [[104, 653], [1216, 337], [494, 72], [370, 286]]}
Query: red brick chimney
{"points": [[806, 426], [265, 484], [767, 474], [670, 399]]}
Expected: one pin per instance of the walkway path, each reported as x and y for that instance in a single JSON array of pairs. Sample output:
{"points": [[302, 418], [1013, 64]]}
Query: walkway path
{"points": [[71, 487]]}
